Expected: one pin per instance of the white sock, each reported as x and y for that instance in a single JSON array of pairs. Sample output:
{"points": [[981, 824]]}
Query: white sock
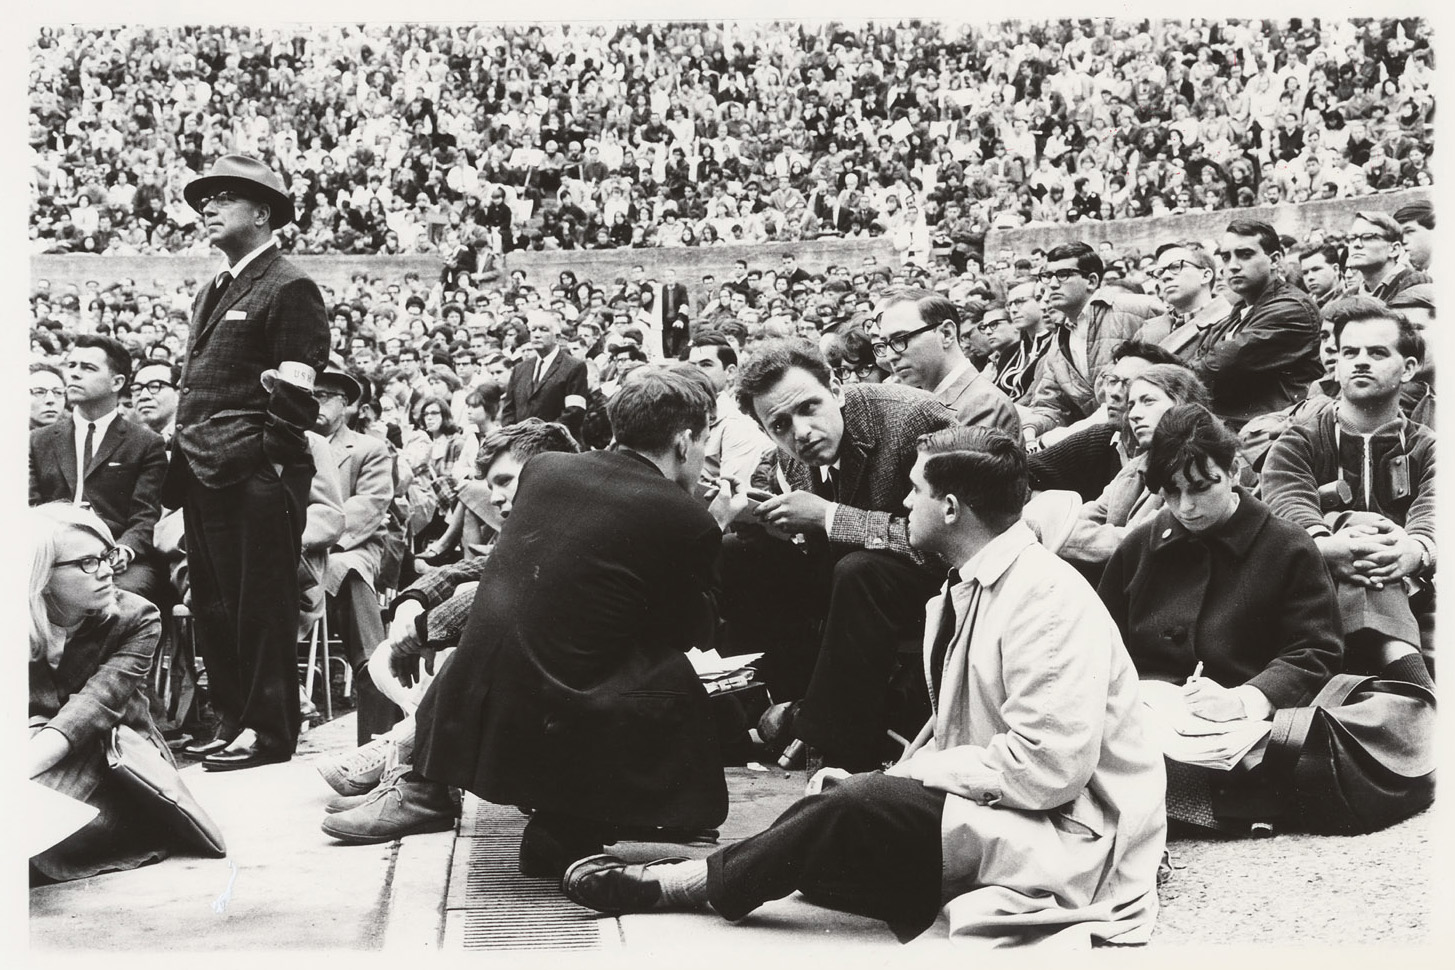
{"points": [[683, 884]]}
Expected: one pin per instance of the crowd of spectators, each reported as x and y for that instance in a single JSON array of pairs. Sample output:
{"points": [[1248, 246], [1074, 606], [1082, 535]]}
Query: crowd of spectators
{"points": [[467, 141]]}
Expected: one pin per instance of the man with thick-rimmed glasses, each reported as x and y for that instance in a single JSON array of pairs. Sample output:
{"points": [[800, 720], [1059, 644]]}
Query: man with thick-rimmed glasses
{"points": [[1376, 250], [1094, 322], [154, 397], [1186, 276], [917, 334]]}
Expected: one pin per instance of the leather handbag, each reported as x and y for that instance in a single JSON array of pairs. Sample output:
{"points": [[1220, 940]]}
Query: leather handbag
{"points": [[1359, 758], [150, 773]]}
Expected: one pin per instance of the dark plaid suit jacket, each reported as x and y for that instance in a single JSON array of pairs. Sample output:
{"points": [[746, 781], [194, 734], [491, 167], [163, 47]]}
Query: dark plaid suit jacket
{"points": [[882, 422], [228, 425]]}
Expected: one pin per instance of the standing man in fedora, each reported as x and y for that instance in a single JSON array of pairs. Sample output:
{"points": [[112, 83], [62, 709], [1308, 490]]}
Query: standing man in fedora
{"points": [[240, 466]]}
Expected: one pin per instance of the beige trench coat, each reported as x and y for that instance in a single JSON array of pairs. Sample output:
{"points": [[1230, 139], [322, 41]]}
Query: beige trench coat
{"points": [[1056, 819]]}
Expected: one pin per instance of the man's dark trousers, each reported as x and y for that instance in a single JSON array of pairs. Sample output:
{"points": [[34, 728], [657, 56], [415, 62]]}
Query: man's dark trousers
{"points": [[244, 542], [870, 846], [777, 597]]}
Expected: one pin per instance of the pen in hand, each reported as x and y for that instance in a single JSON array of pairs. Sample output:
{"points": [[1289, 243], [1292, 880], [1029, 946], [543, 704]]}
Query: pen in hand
{"points": [[1196, 673]]}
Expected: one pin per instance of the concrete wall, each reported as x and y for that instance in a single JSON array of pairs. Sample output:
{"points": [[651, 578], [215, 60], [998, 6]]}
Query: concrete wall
{"points": [[600, 266], [692, 264], [171, 270], [1147, 234]]}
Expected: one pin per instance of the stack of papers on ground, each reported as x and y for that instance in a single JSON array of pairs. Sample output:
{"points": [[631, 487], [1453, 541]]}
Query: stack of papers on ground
{"points": [[709, 664], [1194, 740]]}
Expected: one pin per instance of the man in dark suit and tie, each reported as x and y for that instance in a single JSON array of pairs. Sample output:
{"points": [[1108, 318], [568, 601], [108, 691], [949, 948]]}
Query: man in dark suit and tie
{"points": [[676, 316], [97, 457], [550, 384], [241, 467], [835, 600]]}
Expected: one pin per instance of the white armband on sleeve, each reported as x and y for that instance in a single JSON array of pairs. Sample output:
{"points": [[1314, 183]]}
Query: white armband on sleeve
{"points": [[291, 372]]}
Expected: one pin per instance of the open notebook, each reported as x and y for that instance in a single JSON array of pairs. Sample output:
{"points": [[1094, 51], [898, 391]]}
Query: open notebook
{"points": [[1194, 740]]}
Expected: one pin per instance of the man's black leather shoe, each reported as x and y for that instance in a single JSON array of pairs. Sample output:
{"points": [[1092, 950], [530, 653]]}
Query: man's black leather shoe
{"points": [[246, 752], [612, 886]]}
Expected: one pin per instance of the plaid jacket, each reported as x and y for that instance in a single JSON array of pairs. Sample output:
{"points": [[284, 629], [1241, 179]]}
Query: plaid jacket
{"points": [[443, 620], [228, 424], [881, 424]]}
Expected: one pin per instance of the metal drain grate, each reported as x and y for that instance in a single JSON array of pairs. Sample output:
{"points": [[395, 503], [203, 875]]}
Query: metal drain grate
{"points": [[491, 906]]}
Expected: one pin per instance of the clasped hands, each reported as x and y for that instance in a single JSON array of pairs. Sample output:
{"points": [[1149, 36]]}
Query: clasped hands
{"points": [[1370, 550]]}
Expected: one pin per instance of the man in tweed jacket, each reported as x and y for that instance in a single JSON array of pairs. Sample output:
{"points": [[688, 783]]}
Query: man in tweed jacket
{"points": [[240, 466], [826, 581]]}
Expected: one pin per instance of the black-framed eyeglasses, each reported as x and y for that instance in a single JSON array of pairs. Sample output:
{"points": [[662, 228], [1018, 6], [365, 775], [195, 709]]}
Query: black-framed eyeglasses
{"points": [[322, 394], [222, 198], [1058, 275], [113, 557], [900, 341], [1173, 268], [991, 325], [1365, 238], [432, 414], [152, 387], [861, 371]]}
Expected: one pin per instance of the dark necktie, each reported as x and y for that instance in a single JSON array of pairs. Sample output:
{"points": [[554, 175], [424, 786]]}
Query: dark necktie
{"points": [[944, 634], [219, 287], [540, 373], [825, 486], [88, 451]]}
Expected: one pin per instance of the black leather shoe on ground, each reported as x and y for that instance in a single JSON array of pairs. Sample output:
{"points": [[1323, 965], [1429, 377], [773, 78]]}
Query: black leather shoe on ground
{"points": [[612, 886], [243, 753]]}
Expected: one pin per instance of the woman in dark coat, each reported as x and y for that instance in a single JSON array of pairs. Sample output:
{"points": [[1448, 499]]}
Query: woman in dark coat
{"points": [[90, 649], [1216, 580]]}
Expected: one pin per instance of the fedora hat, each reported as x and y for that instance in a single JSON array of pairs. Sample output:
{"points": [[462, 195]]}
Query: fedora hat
{"points": [[247, 177], [335, 376]]}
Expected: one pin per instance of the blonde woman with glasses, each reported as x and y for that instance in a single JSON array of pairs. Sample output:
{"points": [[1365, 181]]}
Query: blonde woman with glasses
{"points": [[91, 646]]}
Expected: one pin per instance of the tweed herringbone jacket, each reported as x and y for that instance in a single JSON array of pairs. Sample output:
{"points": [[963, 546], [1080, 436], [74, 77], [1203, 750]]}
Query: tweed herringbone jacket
{"points": [[881, 424]]}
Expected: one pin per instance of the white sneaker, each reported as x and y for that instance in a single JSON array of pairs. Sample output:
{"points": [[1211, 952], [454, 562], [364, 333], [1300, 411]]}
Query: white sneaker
{"points": [[359, 770]]}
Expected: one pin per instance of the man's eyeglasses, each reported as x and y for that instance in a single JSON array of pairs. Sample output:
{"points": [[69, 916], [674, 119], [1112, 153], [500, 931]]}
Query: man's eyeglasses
{"points": [[1058, 275], [861, 371], [321, 394], [1365, 238], [222, 198], [992, 324], [113, 557], [152, 387], [40, 392], [900, 341], [1172, 269]]}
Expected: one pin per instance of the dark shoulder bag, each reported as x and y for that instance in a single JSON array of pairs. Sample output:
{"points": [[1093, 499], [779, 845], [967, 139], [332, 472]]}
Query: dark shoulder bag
{"points": [[1359, 758]]}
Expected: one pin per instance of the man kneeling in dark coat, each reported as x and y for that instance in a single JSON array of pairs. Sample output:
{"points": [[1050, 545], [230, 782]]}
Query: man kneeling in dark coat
{"points": [[569, 693]]}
